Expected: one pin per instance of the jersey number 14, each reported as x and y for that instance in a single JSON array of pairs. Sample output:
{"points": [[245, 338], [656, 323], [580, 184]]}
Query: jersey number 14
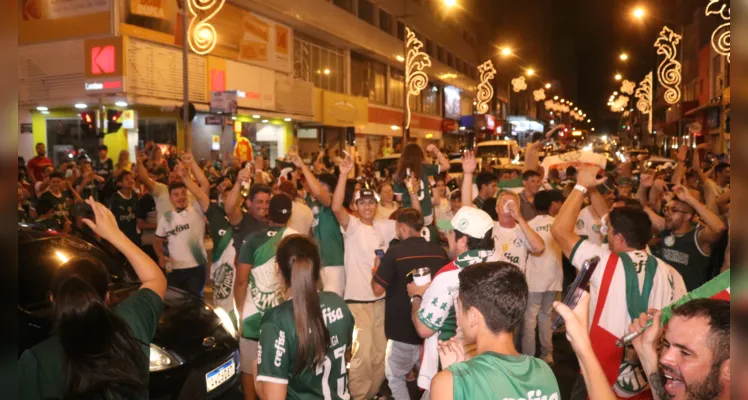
{"points": [[325, 368]]}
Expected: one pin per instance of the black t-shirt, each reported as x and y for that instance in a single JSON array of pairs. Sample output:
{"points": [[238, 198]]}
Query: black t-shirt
{"points": [[248, 225], [61, 204], [103, 169], [399, 260], [124, 212]]}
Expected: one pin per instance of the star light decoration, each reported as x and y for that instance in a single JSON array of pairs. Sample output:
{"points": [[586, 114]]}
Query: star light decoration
{"points": [[202, 35], [415, 62], [519, 84], [557, 107], [721, 34], [539, 94], [485, 89], [628, 87], [644, 98], [669, 70]]}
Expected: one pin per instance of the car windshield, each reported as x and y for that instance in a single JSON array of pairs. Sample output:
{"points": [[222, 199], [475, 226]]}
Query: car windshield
{"points": [[498, 151], [39, 257]]}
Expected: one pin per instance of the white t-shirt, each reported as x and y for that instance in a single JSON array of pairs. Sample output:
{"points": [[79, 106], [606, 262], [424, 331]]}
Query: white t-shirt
{"points": [[301, 218], [360, 242], [545, 271], [185, 234], [510, 245], [589, 225], [161, 197], [442, 210]]}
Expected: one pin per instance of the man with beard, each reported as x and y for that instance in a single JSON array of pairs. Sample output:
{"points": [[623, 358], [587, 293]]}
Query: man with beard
{"points": [[685, 245], [695, 360], [37, 164]]}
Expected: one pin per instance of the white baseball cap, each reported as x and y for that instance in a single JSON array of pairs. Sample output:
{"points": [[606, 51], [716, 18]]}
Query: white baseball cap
{"points": [[471, 221]]}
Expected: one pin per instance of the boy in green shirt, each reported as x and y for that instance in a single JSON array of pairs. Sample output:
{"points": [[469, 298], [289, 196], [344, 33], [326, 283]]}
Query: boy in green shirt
{"points": [[491, 302]]}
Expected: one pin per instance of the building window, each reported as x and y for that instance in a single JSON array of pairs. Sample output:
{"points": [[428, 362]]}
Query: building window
{"points": [[401, 30], [450, 60], [368, 78], [322, 65], [397, 83], [430, 48], [385, 21], [344, 4], [431, 100], [366, 11], [441, 54]]}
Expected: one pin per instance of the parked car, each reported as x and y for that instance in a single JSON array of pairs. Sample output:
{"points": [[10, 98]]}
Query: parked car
{"points": [[388, 163], [194, 353], [501, 152]]}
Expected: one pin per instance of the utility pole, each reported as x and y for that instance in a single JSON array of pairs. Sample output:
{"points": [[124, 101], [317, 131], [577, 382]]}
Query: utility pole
{"points": [[185, 79]]}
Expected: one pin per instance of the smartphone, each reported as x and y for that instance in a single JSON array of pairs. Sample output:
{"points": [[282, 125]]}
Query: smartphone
{"points": [[379, 253], [84, 210], [452, 185], [581, 284]]}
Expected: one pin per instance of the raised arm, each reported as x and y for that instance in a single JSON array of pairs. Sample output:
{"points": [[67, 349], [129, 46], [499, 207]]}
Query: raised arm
{"points": [[443, 161], [106, 227], [142, 171], [202, 180], [535, 243], [469, 164], [563, 226], [341, 214], [714, 224], [197, 191], [315, 188], [696, 164], [412, 184], [680, 167], [598, 202], [233, 200]]}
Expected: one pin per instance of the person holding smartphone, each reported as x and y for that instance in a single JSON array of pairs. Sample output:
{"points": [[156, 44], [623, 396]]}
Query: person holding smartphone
{"points": [[412, 161]]}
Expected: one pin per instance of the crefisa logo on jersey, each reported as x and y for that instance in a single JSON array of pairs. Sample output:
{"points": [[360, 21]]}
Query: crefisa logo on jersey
{"points": [[535, 395], [330, 315], [280, 348]]}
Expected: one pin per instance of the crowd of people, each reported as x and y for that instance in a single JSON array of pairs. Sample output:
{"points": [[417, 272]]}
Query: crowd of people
{"points": [[339, 278]]}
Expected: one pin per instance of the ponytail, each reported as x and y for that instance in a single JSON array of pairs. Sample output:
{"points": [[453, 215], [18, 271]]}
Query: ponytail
{"points": [[101, 358], [299, 265], [311, 332]]}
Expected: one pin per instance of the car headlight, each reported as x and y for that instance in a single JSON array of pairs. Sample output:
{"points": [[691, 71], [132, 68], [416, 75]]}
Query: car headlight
{"points": [[161, 359], [226, 322]]}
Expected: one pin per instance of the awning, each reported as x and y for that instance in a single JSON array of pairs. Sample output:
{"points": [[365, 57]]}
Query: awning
{"points": [[701, 108]]}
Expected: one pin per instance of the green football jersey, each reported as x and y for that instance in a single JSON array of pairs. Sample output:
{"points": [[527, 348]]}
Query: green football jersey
{"points": [[424, 192], [276, 361], [124, 212], [327, 233], [503, 377], [219, 227]]}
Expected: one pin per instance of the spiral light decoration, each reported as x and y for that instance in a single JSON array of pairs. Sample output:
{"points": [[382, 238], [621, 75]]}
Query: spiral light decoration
{"points": [[485, 89], [644, 96], [721, 34], [201, 34], [415, 61], [669, 70]]}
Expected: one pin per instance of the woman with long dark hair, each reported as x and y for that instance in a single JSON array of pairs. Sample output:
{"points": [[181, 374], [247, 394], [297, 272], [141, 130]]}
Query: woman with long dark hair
{"points": [[96, 352], [412, 163], [305, 342]]}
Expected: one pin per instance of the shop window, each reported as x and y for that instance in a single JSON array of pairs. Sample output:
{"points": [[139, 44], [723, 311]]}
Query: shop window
{"points": [[161, 131], [366, 11], [344, 4], [65, 136], [368, 78], [385, 21]]}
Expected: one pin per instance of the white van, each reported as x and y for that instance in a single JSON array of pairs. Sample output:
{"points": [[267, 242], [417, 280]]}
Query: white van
{"points": [[502, 152]]}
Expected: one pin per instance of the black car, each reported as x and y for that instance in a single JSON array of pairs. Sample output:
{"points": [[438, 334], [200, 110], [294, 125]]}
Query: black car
{"points": [[194, 354]]}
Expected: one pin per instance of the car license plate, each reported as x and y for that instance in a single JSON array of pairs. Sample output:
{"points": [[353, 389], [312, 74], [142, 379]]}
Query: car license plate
{"points": [[215, 378]]}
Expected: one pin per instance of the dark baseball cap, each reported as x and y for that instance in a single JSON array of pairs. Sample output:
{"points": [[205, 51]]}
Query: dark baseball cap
{"points": [[365, 194], [280, 209], [604, 188]]}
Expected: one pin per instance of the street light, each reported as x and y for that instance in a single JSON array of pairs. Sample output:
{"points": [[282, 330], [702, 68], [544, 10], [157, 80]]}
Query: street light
{"points": [[623, 56], [547, 85], [506, 51], [639, 12], [530, 72], [618, 77], [450, 3]]}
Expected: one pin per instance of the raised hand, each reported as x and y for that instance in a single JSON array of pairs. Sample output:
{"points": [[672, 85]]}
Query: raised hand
{"points": [[682, 154], [587, 177], [682, 193], [469, 163], [651, 335], [576, 322], [646, 180], [346, 165], [432, 149], [187, 158], [244, 175], [105, 224], [451, 352], [296, 160]]}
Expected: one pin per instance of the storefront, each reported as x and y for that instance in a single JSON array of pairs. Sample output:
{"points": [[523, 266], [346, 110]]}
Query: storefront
{"points": [[337, 117]]}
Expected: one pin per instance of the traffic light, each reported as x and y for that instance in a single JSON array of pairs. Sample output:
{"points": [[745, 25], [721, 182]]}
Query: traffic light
{"points": [[112, 120], [88, 122]]}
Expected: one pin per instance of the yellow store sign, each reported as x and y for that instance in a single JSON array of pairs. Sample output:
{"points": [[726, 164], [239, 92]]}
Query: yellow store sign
{"points": [[336, 109]]}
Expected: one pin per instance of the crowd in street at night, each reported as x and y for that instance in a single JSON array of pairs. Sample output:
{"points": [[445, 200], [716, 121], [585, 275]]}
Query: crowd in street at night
{"points": [[345, 281]]}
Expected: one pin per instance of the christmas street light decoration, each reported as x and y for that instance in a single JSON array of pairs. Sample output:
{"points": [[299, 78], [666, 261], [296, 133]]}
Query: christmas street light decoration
{"points": [[669, 70], [519, 84], [202, 34], [415, 61], [628, 87], [485, 89], [721, 34], [620, 103], [539, 94], [644, 96]]}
